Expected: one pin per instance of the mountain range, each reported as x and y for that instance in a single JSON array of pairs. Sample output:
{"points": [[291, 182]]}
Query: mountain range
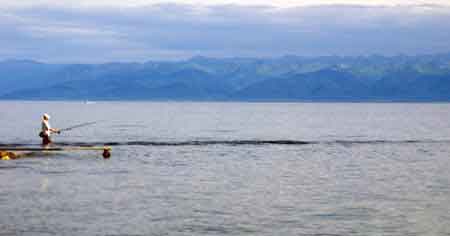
{"points": [[288, 78]]}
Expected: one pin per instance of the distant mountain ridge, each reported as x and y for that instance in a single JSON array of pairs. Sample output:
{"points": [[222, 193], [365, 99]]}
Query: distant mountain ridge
{"points": [[289, 78]]}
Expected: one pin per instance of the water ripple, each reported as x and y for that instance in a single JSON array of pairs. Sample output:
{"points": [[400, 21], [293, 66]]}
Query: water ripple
{"points": [[11, 146]]}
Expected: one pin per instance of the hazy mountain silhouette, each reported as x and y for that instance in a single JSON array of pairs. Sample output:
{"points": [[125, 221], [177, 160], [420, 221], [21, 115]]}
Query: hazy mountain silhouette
{"points": [[399, 78]]}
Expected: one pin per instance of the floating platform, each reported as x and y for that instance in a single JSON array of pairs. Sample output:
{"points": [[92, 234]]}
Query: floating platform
{"points": [[11, 153]]}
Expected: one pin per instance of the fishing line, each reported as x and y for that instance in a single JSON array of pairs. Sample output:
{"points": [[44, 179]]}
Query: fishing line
{"points": [[79, 126]]}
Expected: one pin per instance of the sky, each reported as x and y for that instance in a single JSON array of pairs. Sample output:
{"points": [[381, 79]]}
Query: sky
{"points": [[98, 31]]}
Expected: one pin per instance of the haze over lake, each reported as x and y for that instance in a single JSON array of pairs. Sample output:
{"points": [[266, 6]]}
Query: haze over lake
{"points": [[230, 169]]}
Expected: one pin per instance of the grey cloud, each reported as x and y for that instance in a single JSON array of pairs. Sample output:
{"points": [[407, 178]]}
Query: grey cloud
{"points": [[175, 31]]}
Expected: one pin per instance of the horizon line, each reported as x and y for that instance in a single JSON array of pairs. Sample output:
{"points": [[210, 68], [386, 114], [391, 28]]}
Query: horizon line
{"points": [[196, 57]]}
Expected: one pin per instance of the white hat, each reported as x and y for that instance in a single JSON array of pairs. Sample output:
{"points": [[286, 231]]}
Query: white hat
{"points": [[47, 116]]}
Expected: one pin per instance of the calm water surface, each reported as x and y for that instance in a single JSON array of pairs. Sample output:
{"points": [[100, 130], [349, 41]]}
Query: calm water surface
{"points": [[201, 169]]}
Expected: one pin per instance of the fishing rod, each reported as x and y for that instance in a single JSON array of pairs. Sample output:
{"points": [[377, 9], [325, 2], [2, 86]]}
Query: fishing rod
{"points": [[78, 126]]}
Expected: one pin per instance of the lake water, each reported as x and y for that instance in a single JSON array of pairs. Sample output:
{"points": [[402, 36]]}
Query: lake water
{"points": [[230, 169]]}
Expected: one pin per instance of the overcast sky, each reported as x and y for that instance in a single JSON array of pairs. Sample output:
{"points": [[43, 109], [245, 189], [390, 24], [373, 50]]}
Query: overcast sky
{"points": [[141, 30]]}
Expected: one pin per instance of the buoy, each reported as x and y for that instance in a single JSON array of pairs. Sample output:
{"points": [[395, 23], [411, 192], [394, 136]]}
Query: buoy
{"points": [[106, 152]]}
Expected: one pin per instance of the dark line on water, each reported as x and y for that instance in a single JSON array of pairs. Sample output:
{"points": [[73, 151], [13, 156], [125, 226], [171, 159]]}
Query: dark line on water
{"points": [[209, 142], [13, 167], [225, 142]]}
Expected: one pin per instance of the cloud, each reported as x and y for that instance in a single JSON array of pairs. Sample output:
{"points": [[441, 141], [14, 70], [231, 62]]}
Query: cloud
{"points": [[175, 31], [273, 3]]}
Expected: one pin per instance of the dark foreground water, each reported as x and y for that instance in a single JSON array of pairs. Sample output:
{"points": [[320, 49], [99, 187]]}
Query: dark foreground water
{"points": [[230, 169]]}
